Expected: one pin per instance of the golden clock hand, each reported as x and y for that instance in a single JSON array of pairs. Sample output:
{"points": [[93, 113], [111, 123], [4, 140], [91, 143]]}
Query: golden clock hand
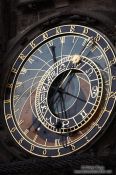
{"points": [[65, 78], [89, 41]]}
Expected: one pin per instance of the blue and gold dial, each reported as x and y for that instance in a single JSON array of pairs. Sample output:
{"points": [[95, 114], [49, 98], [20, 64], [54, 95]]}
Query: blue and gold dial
{"points": [[61, 90]]}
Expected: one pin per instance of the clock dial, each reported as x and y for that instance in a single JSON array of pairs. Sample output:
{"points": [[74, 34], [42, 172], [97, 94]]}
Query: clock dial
{"points": [[61, 90], [56, 101]]}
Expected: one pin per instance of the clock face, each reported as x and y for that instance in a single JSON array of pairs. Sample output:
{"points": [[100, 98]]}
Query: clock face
{"points": [[61, 90]]}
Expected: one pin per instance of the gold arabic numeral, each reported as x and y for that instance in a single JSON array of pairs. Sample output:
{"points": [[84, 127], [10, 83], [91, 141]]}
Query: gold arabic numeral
{"points": [[18, 83], [23, 70], [106, 49], [57, 142], [45, 36], [72, 28], [59, 152], [22, 57], [44, 152], [32, 148], [72, 147], [33, 45], [97, 38], [58, 30], [21, 140], [14, 70], [7, 101], [9, 85], [85, 31], [35, 138], [99, 127], [13, 129], [31, 60], [8, 116], [45, 142]]}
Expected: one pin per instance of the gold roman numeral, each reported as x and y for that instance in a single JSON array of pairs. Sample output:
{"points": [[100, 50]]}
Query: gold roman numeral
{"points": [[20, 122], [35, 138], [26, 131], [57, 142], [62, 39]]}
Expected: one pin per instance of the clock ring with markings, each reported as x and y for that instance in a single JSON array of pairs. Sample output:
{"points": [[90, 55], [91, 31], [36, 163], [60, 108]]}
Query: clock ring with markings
{"points": [[61, 90], [58, 106]]}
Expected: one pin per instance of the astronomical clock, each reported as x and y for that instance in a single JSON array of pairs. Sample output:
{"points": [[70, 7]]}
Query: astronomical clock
{"points": [[59, 88]]}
